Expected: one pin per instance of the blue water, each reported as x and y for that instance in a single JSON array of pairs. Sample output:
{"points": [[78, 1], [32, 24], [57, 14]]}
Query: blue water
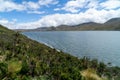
{"points": [[101, 45]]}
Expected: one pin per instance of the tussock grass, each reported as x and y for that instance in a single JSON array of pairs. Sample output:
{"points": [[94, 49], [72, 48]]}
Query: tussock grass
{"points": [[90, 74], [14, 66]]}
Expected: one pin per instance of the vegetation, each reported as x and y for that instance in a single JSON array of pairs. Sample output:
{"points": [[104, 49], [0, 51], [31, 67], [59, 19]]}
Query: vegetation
{"points": [[90, 74], [25, 59]]}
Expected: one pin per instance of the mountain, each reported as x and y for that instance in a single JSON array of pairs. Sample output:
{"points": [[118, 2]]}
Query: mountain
{"points": [[24, 59], [84, 26], [112, 24]]}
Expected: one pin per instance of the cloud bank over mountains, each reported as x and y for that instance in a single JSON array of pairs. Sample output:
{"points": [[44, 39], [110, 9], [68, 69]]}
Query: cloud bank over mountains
{"points": [[75, 12]]}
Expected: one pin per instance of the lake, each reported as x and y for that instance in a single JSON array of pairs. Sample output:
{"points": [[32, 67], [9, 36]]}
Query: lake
{"points": [[101, 45]]}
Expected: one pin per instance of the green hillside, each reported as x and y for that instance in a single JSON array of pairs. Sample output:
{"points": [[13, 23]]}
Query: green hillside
{"points": [[24, 59]]}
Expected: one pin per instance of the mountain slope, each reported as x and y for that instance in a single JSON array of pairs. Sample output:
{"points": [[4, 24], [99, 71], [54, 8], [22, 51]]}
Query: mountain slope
{"points": [[112, 24], [25, 59]]}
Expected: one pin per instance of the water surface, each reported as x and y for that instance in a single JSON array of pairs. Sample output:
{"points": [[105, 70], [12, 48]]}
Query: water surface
{"points": [[102, 45]]}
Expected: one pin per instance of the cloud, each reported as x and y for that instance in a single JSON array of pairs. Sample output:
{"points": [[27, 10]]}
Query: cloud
{"points": [[92, 4], [31, 5], [91, 15], [28, 6], [36, 12], [96, 11], [111, 4], [8, 5], [75, 6], [57, 9], [47, 2], [3, 21], [8, 24]]}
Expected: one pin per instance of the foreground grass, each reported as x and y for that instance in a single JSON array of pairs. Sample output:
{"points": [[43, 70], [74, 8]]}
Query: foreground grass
{"points": [[90, 74], [24, 59]]}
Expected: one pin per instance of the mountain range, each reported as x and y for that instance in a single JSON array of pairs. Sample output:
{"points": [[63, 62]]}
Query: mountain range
{"points": [[110, 25]]}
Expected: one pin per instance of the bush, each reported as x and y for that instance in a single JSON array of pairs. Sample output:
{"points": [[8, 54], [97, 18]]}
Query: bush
{"points": [[3, 70]]}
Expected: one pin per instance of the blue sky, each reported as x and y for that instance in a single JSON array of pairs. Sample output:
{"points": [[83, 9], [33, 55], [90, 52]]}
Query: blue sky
{"points": [[29, 14]]}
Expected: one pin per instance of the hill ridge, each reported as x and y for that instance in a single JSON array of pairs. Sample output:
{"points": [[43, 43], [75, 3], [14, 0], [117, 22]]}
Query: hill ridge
{"points": [[112, 24]]}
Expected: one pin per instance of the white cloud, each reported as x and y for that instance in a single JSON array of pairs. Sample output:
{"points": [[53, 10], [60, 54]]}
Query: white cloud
{"points": [[97, 12], [91, 15], [8, 5], [7, 23], [57, 9], [36, 12], [73, 19], [73, 5], [28, 6], [92, 4], [31, 5], [3, 21], [47, 2], [111, 4]]}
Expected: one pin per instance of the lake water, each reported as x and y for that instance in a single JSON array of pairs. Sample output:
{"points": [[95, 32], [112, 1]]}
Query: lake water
{"points": [[101, 45]]}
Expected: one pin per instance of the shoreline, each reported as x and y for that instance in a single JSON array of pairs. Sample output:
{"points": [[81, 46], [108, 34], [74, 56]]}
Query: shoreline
{"points": [[41, 42], [49, 45], [59, 50]]}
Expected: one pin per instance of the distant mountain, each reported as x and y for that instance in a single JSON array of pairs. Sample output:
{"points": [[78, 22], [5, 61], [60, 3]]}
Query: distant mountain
{"points": [[84, 26], [112, 24]]}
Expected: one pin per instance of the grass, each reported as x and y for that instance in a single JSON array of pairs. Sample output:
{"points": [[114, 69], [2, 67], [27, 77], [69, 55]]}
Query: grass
{"points": [[14, 66], [90, 74]]}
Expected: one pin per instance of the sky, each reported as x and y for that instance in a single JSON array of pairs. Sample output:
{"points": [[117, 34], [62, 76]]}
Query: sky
{"points": [[31, 14]]}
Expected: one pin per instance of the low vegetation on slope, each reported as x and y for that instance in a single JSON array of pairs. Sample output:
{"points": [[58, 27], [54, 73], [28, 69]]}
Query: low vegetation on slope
{"points": [[25, 59]]}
